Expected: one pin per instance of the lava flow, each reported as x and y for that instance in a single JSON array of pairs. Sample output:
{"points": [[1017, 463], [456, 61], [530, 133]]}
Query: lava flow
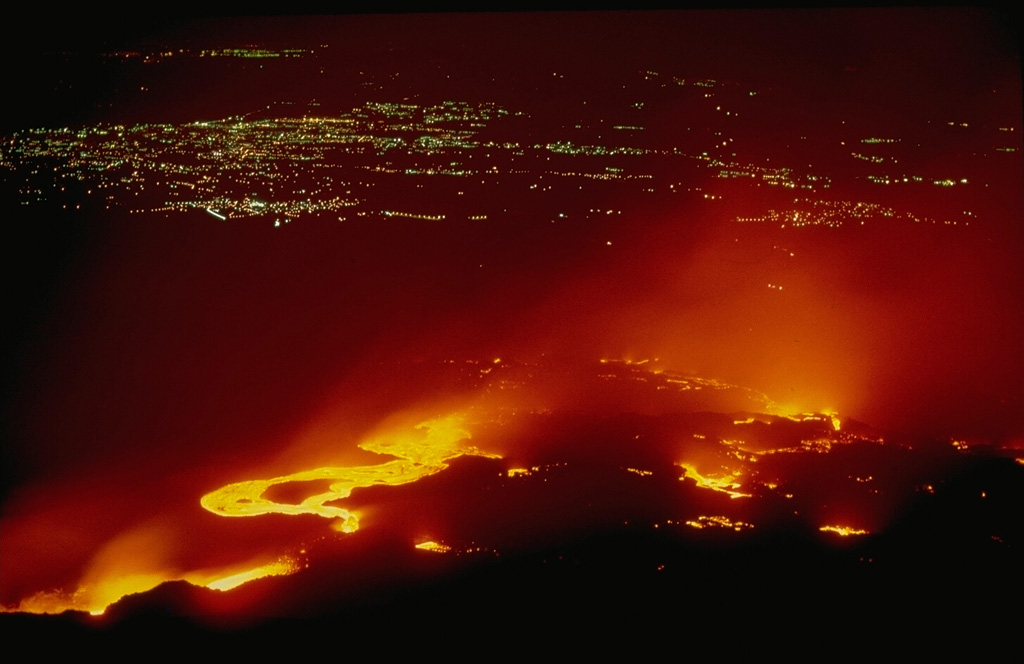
{"points": [[418, 457], [132, 563]]}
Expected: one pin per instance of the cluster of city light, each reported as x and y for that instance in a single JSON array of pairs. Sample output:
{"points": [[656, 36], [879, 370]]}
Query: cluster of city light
{"points": [[295, 161], [568, 148], [462, 111], [250, 51], [225, 207], [286, 166], [832, 214], [865, 157], [414, 215], [300, 161], [911, 179], [609, 174], [779, 177]]}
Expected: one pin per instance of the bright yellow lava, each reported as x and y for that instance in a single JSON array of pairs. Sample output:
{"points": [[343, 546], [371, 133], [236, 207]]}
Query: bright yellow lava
{"points": [[718, 522], [796, 415], [281, 567], [434, 546], [726, 484], [845, 531], [96, 596], [119, 570], [420, 453]]}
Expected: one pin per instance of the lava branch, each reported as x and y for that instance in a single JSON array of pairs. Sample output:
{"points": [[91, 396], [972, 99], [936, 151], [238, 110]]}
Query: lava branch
{"points": [[418, 457]]}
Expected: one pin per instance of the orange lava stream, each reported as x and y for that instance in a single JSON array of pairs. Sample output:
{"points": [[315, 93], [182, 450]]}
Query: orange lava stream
{"points": [[134, 563], [434, 546], [844, 531], [419, 455], [726, 484], [96, 596], [281, 567]]}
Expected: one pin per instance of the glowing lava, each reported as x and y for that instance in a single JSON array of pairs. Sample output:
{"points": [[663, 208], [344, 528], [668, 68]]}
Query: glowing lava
{"points": [[137, 561], [95, 594], [844, 531], [277, 568], [724, 483], [718, 522], [434, 546], [418, 456]]}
